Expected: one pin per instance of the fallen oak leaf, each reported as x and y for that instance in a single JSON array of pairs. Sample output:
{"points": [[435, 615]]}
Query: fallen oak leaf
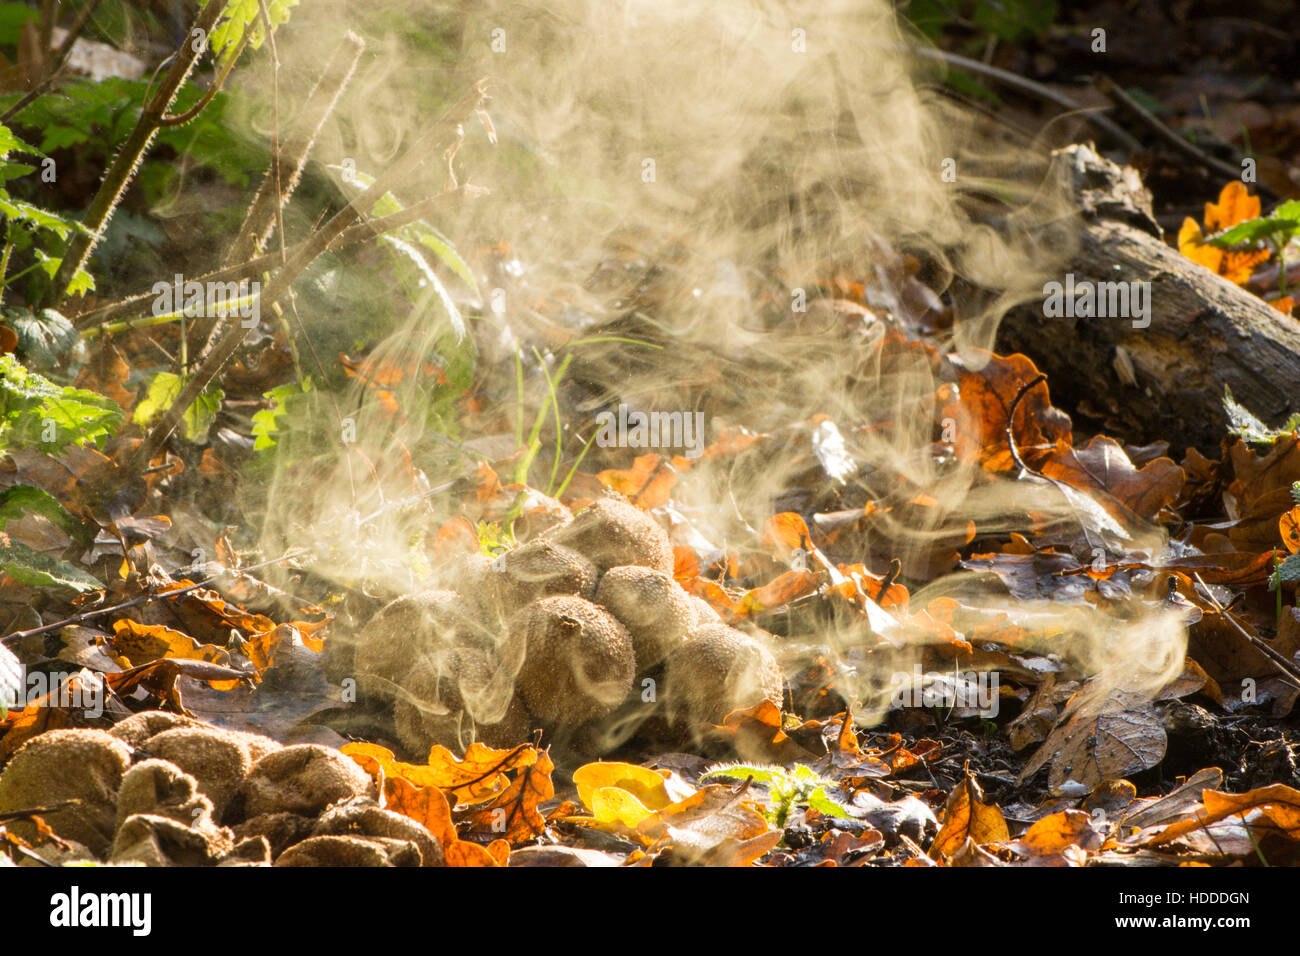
{"points": [[759, 730], [514, 813], [1278, 802], [787, 587], [159, 678], [1103, 736], [986, 397], [648, 483], [1052, 837], [704, 822], [425, 805], [733, 852], [467, 854], [967, 816], [455, 536], [787, 533], [477, 778], [428, 806], [138, 643], [1289, 527], [1103, 469]]}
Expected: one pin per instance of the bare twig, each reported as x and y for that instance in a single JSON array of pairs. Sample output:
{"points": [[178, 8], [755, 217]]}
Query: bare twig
{"points": [[1288, 668], [432, 143], [210, 94], [144, 599], [283, 177], [127, 161], [1139, 112], [1011, 421], [96, 321], [1020, 462], [1034, 89]]}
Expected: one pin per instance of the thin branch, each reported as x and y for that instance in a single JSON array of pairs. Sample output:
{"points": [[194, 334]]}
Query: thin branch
{"points": [[430, 144], [1279, 661], [1011, 420], [211, 92], [122, 171], [1179, 143], [145, 599], [1034, 89], [293, 159], [100, 321]]}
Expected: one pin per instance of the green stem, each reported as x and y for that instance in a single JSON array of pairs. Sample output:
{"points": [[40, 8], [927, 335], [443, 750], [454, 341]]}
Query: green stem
{"points": [[519, 399], [559, 492], [4, 267]]}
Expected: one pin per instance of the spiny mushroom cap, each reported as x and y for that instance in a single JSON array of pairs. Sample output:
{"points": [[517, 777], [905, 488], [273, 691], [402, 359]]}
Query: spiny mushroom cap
{"points": [[303, 779], [613, 533], [410, 629], [77, 764], [217, 759], [472, 577], [467, 695], [539, 569], [705, 613], [160, 788], [578, 661], [652, 606], [419, 726], [719, 669]]}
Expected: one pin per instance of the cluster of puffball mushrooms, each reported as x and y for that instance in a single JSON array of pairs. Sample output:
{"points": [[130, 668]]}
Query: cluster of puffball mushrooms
{"points": [[581, 632]]}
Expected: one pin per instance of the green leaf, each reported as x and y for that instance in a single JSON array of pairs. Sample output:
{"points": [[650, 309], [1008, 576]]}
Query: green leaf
{"points": [[36, 217], [34, 412], [40, 570], [10, 170], [431, 277], [163, 392], [441, 247], [45, 338], [9, 142], [1014, 20], [420, 231], [1283, 225], [13, 17], [19, 500], [243, 16], [81, 283], [818, 800], [267, 423], [768, 775]]}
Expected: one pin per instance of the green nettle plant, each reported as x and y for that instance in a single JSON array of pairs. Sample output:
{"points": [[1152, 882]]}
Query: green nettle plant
{"points": [[1277, 230], [786, 789], [118, 124]]}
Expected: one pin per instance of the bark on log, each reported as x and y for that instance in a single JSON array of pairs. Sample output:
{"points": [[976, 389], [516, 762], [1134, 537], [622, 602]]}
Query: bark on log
{"points": [[1166, 380]]}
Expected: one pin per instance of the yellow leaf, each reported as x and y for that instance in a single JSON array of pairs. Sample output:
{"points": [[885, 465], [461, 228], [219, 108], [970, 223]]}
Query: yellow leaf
{"points": [[642, 783], [612, 805], [1235, 266], [1191, 243], [1235, 205]]}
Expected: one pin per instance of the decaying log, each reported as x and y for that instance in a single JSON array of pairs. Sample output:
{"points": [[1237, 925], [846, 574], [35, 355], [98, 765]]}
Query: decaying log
{"points": [[1163, 380]]}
